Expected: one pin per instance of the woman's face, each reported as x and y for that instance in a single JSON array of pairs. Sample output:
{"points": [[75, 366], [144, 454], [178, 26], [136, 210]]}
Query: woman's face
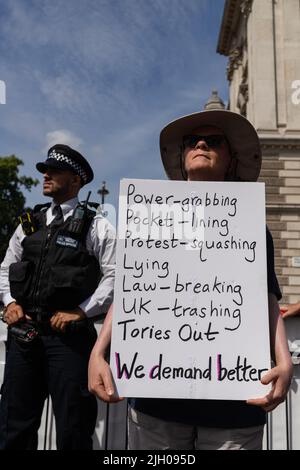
{"points": [[206, 160]]}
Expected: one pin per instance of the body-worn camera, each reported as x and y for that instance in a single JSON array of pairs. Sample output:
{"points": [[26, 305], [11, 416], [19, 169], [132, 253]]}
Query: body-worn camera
{"points": [[27, 222], [23, 331]]}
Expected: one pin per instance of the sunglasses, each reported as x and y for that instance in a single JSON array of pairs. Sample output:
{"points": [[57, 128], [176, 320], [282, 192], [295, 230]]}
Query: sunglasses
{"points": [[213, 140]]}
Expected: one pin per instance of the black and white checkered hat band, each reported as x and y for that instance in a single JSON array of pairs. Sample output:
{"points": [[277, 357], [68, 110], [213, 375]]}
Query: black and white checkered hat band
{"points": [[60, 157]]}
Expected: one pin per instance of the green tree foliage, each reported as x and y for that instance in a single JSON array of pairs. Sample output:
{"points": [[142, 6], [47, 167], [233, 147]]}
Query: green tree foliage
{"points": [[12, 200]]}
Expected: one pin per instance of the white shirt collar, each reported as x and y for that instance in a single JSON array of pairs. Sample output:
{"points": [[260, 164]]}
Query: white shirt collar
{"points": [[66, 206]]}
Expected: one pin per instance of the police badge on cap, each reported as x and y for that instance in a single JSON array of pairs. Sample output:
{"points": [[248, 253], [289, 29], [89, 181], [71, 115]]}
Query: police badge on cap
{"points": [[64, 157]]}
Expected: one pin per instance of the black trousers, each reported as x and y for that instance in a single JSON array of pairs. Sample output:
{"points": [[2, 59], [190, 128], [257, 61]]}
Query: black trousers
{"points": [[55, 364]]}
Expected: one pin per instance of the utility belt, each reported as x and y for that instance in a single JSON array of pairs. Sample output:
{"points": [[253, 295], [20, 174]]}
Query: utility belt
{"points": [[38, 315], [27, 331]]}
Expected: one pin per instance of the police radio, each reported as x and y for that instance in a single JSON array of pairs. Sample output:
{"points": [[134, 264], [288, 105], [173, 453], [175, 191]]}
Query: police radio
{"points": [[79, 217]]}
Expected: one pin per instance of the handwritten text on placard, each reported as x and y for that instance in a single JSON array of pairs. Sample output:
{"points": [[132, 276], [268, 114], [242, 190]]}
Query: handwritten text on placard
{"points": [[190, 309]]}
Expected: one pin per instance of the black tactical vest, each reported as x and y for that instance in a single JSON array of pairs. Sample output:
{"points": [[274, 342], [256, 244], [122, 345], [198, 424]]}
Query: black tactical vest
{"points": [[56, 271]]}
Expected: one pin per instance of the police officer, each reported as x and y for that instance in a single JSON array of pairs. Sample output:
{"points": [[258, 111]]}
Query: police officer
{"points": [[57, 274]]}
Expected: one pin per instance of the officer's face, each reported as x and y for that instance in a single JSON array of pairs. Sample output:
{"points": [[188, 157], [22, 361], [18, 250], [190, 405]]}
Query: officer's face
{"points": [[60, 184], [205, 162]]}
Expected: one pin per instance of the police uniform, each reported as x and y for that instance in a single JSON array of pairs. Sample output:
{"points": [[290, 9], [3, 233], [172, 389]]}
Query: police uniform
{"points": [[54, 269]]}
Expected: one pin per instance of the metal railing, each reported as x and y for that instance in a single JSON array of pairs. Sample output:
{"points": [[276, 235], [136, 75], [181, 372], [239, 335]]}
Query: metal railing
{"points": [[281, 431]]}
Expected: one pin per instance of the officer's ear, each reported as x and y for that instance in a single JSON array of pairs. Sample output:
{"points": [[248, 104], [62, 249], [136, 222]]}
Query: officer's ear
{"points": [[77, 181]]}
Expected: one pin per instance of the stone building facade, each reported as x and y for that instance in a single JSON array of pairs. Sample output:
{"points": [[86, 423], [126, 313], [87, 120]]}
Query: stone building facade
{"points": [[262, 41]]}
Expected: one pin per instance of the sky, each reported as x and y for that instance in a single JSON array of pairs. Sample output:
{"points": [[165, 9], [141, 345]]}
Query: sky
{"points": [[104, 76]]}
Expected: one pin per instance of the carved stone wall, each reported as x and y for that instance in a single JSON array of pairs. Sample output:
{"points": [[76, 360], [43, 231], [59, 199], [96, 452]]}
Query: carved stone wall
{"points": [[262, 41]]}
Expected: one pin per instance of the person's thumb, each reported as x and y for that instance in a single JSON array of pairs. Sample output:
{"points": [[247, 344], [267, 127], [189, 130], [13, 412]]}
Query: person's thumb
{"points": [[269, 377], [108, 383]]}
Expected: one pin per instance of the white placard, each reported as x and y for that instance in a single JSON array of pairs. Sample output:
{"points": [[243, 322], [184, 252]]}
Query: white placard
{"points": [[190, 307]]}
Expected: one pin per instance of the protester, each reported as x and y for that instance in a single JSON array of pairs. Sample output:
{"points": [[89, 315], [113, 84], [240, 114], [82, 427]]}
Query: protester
{"points": [[213, 145]]}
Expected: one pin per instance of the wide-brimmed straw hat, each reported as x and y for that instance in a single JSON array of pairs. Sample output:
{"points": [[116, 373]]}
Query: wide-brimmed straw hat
{"points": [[241, 135]]}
